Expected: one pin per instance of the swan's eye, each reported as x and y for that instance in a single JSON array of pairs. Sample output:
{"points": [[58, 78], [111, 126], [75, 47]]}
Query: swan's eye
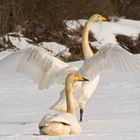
{"points": [[76, 76]]}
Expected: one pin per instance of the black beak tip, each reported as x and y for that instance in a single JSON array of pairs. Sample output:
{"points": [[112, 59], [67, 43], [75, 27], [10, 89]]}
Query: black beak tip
{"points": [[86, 79]]}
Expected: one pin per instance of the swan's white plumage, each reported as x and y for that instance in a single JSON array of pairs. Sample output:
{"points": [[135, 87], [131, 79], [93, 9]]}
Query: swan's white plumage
{"points": [[82, 92], [10, 62], [60, 104], [45, 69], [38, 65], [87, 90], [66, 118], [63, 123], [108, 58], [111, 58]]}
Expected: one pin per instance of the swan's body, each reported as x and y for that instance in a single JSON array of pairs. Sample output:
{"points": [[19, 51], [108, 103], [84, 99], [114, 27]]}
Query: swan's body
{"points": [[85, 90], [64, 123], [82, 93], [45, 69], [59, 124]]}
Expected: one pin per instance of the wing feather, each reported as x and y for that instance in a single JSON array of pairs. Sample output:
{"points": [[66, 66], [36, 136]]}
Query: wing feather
{"points": [[10, 62], [111, 58], [37, 64]]}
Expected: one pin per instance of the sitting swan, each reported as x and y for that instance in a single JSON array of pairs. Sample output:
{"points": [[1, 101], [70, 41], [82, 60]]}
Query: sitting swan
{"points": [[63, 123], [46, 70]]}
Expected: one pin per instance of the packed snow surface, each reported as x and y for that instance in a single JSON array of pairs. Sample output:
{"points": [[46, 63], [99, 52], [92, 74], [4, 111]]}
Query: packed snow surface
{"points": [[112, 113]]}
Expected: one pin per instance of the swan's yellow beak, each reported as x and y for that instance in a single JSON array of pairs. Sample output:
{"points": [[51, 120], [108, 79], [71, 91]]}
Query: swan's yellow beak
{"points": [[81, 78], [102, 18]]}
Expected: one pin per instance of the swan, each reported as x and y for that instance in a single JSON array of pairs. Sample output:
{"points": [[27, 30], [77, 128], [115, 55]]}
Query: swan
{"points": [[64, 123], [45, 69], [87, 89]]}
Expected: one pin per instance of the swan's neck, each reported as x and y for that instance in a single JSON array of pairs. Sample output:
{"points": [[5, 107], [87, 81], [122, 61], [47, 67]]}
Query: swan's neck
{"points": [[85, 44], [69, 97]]}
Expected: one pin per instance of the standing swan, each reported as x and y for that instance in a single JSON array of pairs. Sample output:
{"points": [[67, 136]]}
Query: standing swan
{"points": [[88, 88], [63, 123]]}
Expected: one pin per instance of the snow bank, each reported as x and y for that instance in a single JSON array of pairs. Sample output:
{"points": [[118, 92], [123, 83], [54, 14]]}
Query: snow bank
{"points": [[105, 32], [22, 43], [53, 47]]}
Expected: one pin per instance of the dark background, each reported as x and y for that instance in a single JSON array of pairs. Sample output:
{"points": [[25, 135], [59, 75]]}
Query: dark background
{"points": [[43, 19]]}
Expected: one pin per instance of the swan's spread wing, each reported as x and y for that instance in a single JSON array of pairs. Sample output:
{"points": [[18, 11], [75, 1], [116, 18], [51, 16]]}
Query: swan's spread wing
{"points": [[9, 63], [111, 58], [37, 64]]}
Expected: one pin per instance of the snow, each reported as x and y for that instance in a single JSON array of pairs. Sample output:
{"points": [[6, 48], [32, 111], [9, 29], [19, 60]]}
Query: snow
{"points": [[134, 23], [54, 47], [105, 32], [22, 43], [113, 113]]}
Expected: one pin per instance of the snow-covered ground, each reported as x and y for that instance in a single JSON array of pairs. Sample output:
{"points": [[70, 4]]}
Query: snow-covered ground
{"points": [[112, 113]]}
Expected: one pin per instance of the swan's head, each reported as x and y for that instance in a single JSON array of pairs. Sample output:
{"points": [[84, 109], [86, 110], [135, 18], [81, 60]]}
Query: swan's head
{"points": [[97, 18], [74, 77]]}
